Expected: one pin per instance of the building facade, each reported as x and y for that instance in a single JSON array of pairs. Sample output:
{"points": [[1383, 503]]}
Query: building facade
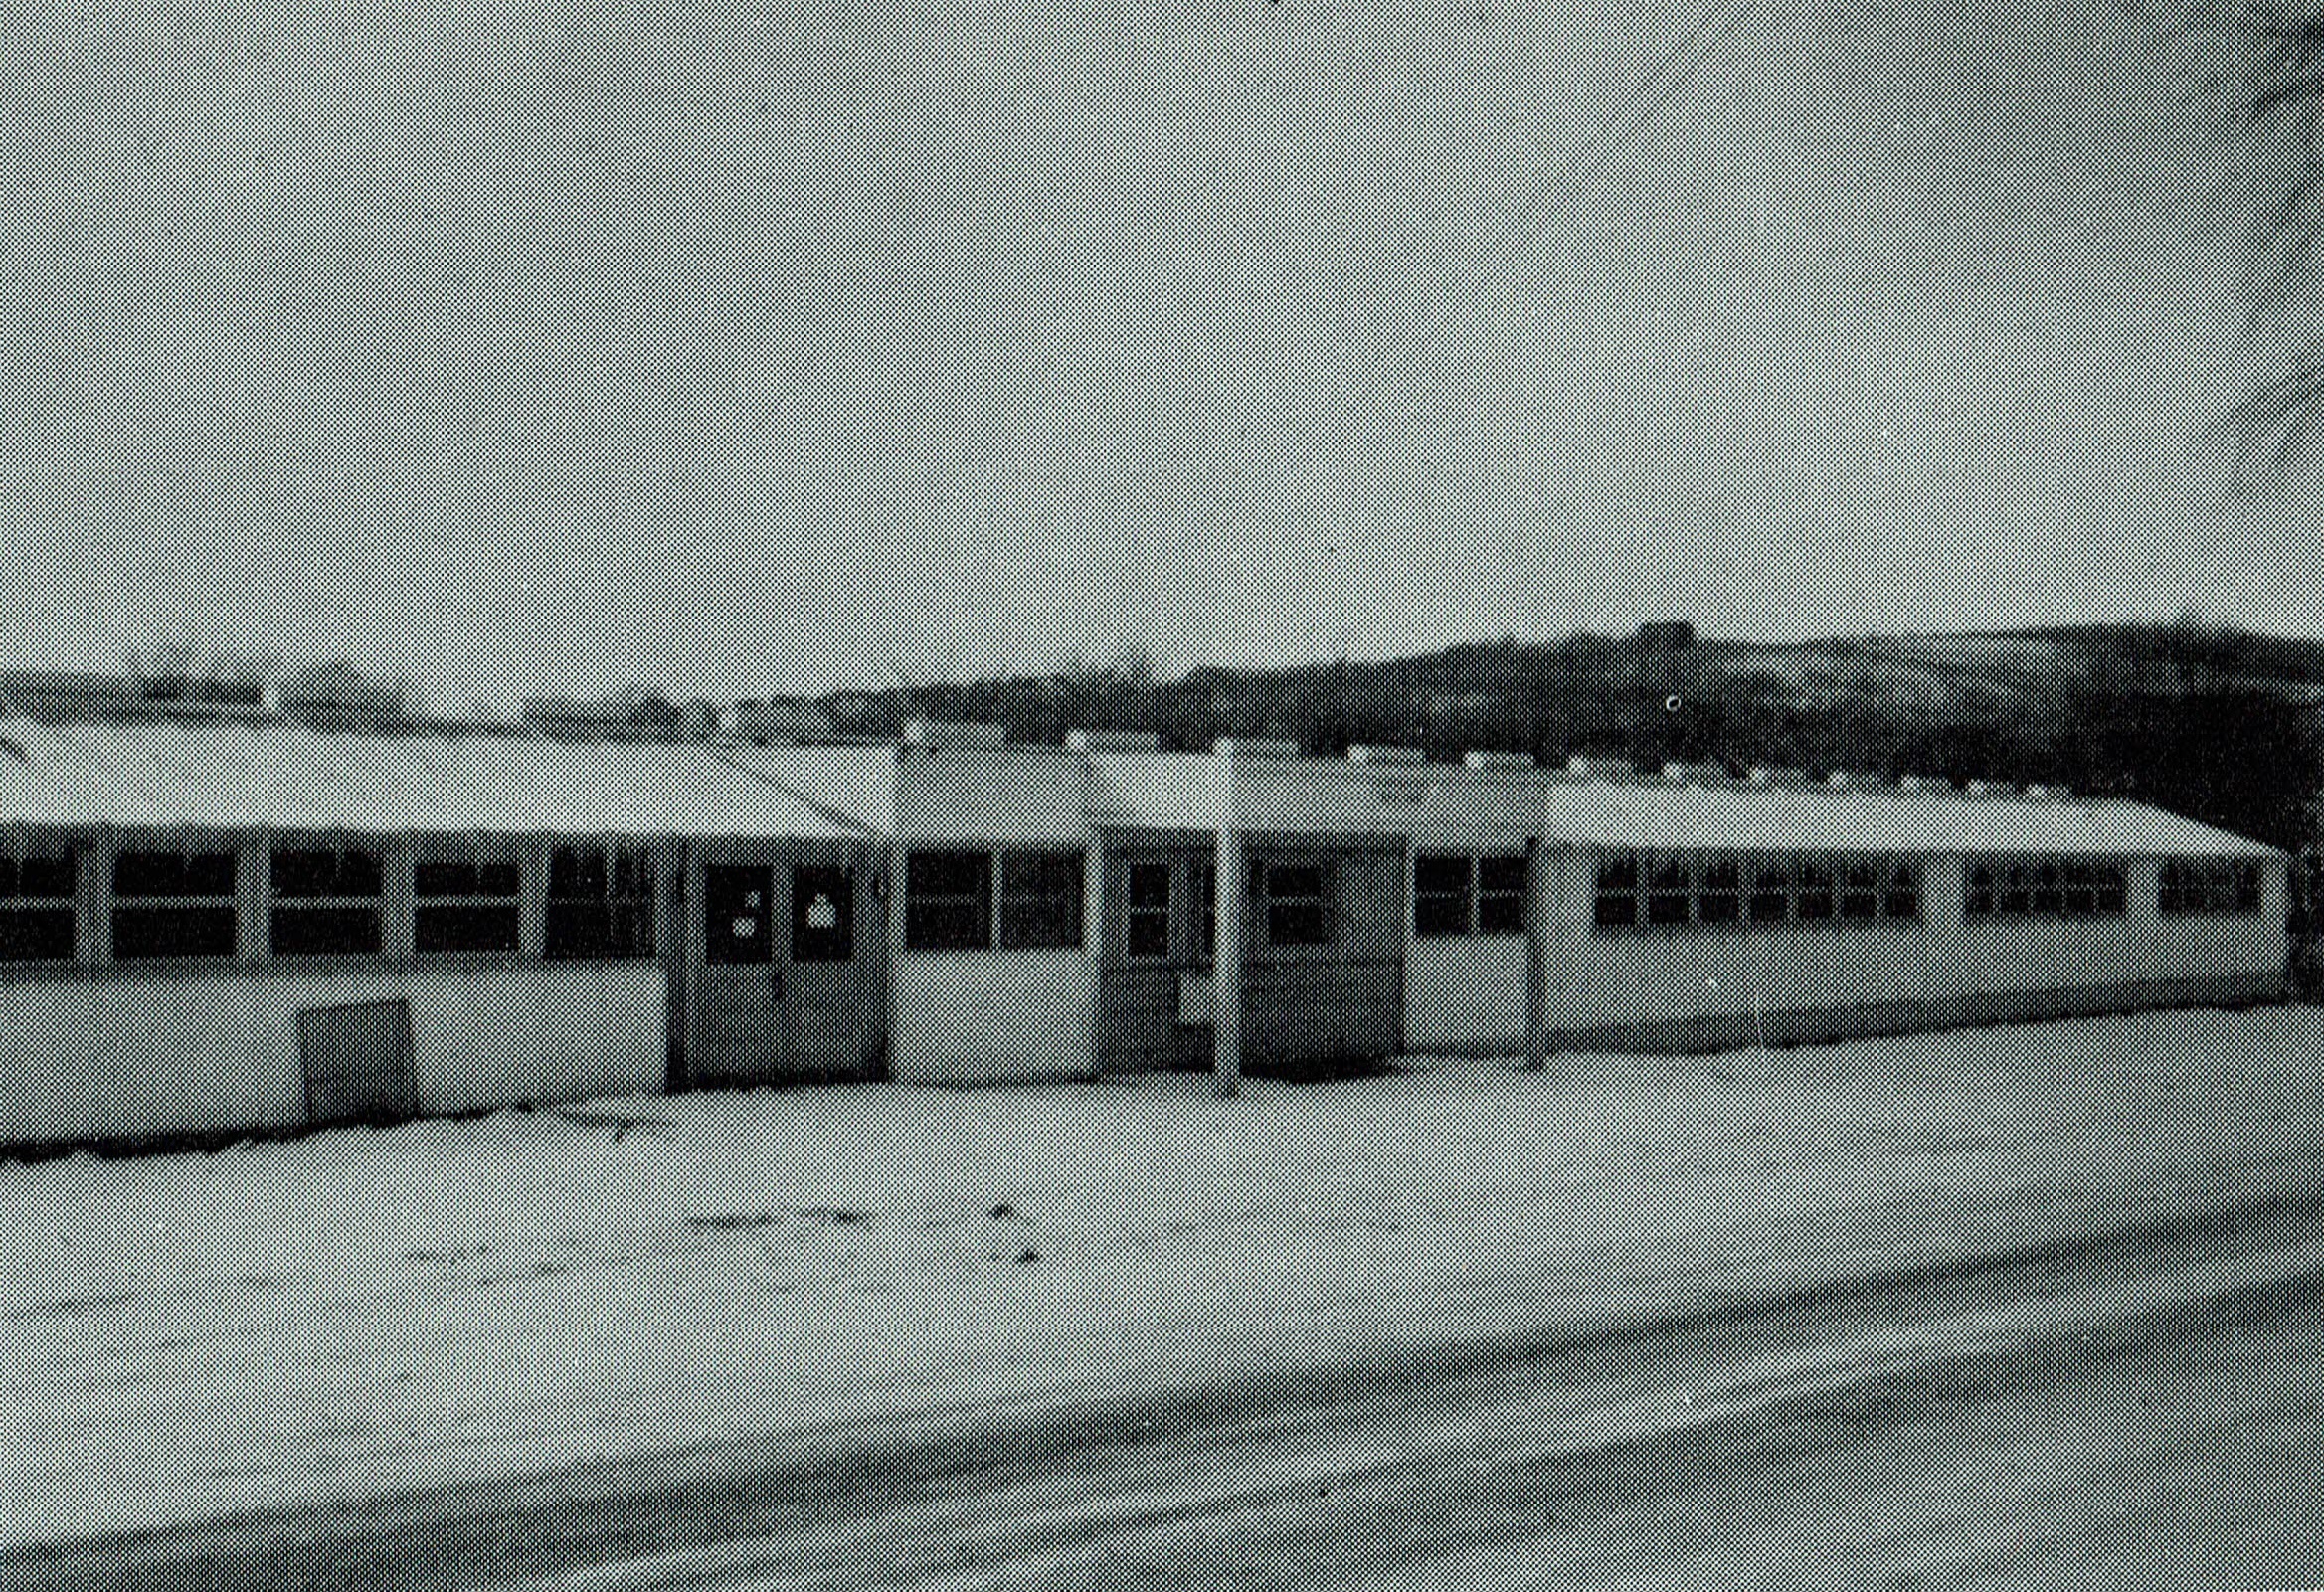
{"points": [[209, 927]]}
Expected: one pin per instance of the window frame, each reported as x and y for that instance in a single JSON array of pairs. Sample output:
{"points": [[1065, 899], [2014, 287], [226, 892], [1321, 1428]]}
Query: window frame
{"points": [[179, 904], [1275, 903], [1071, 903], [1620, 884], [616, 910], [1136, 913], [919, 931], [1488, 920], [477, 859], [336, 903], [18, 908], [1428, 902]]}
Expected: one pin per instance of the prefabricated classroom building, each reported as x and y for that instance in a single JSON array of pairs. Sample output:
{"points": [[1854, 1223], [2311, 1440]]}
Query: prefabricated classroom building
{"points": [[212, 925]]}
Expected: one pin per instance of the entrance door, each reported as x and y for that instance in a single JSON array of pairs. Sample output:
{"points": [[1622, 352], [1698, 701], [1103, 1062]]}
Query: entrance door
{"points": [[738, 997], [827, 997]]}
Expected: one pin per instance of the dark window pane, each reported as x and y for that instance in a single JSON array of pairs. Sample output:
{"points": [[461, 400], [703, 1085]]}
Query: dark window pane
{"points": [[577, 873], [1035, 922], [1721, 908], [823, 914], [470, 929], [1501, 875], [1770, 892], [1437, 917], [497, 879], [1815, 896], [1619, 873], [173, 931], [1150, 934], [304, 873], [1665, 909], [326, 932], [949, 873], [37, 878], [1297, 923], [444, 879], [297, 874], [1903, 897], [587, 929], [1040, 899], [931, 924], [149, 873], [1150, 886], [1440, 875], [1617, 911], [32, 936], [1501, 914], [1288, 880]]}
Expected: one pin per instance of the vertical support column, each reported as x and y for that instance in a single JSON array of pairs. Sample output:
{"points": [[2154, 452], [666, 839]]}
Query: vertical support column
{"points": [[254, 899], [1537, 921], [532, 885], [1226, 1015], [674, 946], [397, 899], [93, 895], [1096, 939], [899, 873]]}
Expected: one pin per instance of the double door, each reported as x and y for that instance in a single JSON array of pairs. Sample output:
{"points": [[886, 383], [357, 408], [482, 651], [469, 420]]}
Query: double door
{"points": [[785, 953]]}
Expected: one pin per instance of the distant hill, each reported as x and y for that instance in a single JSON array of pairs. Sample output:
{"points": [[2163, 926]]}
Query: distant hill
{"points": [[2212, 722]]}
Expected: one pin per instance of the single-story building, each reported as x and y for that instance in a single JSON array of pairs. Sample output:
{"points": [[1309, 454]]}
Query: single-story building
{"points": [[213, 925]]}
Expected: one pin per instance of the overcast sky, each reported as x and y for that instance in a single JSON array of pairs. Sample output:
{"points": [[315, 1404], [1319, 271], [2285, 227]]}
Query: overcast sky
{"points": [[518, 345]]}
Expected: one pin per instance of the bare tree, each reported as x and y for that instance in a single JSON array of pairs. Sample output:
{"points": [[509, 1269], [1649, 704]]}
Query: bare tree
{"points": [[2277, 90]]}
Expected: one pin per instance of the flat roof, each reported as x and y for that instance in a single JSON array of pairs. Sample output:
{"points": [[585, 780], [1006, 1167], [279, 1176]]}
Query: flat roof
{"points": [[286, 776]]}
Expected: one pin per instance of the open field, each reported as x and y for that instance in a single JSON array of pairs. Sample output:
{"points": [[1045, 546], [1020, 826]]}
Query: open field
{"points": [[1914, 1309]]}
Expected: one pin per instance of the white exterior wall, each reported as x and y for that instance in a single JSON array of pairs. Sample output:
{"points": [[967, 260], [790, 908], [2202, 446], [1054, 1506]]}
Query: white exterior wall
{"points": [[1660, 975], [1464, 994], [991, 1016], [123, 1057]]}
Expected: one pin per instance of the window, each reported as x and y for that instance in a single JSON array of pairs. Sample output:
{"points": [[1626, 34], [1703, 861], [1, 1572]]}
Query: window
{"points": [[948, 901], [37, 907], [1720, 891], [326, 902], [1903, 897], [2047, 887], [1040, 899], [1859, 896], [2210, 887], [599, 902], [1814, 899], [1150, 909], [465, 906], [1440, 896], [1501, 894], [1298, 904], [1770, 892], [1617, 893], [184, 904], [1670, 881], [822, 913]]}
